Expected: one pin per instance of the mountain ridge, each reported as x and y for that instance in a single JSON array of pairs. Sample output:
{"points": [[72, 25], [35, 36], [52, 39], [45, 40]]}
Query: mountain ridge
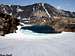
{"points": [[42, 14], [29, 8]]}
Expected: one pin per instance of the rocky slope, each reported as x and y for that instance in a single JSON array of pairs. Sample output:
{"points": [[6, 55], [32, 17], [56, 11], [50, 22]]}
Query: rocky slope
{"points": [[34, 10], [41, 14], [8, 24]]}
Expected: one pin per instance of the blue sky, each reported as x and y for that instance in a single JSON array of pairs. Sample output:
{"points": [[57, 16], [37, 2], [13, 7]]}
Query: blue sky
{"points": [[61, 4]]}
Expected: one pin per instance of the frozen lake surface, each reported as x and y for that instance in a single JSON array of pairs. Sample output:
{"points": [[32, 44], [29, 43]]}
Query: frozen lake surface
{"points": [[28, 43]]}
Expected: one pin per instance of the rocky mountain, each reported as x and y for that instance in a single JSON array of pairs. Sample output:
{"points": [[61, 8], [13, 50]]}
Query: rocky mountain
{"points": [[41, 14], [37, 10]]}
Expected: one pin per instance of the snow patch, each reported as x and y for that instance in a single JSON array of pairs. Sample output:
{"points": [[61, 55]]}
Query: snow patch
{"points": [[19, 10], [19, 17], [46, 10], [10, 13]]}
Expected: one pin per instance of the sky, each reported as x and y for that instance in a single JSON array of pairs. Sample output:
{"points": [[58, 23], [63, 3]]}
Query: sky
{"points": [[60, 4]]}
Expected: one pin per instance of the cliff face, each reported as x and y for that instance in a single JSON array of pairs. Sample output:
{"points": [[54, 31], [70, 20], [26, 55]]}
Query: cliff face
{"points": [[8, 24]]}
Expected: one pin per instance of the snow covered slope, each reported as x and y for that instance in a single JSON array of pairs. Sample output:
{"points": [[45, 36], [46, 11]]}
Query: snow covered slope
{"points": [[28, 43], [60, 45]]}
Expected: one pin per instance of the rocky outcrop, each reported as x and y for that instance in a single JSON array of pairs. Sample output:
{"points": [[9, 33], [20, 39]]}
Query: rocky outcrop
{"points": [[64, 24], [8, 24]]}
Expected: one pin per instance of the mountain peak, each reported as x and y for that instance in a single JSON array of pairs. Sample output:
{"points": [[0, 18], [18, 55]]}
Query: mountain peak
{"points": [[26, 11]]}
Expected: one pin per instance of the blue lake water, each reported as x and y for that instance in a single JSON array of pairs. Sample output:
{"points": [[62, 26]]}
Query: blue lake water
{"points": [[40, 29]]}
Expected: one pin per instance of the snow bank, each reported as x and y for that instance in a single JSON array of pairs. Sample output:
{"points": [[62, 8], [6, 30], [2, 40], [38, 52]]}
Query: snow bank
{"points": [[29, 35]]}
